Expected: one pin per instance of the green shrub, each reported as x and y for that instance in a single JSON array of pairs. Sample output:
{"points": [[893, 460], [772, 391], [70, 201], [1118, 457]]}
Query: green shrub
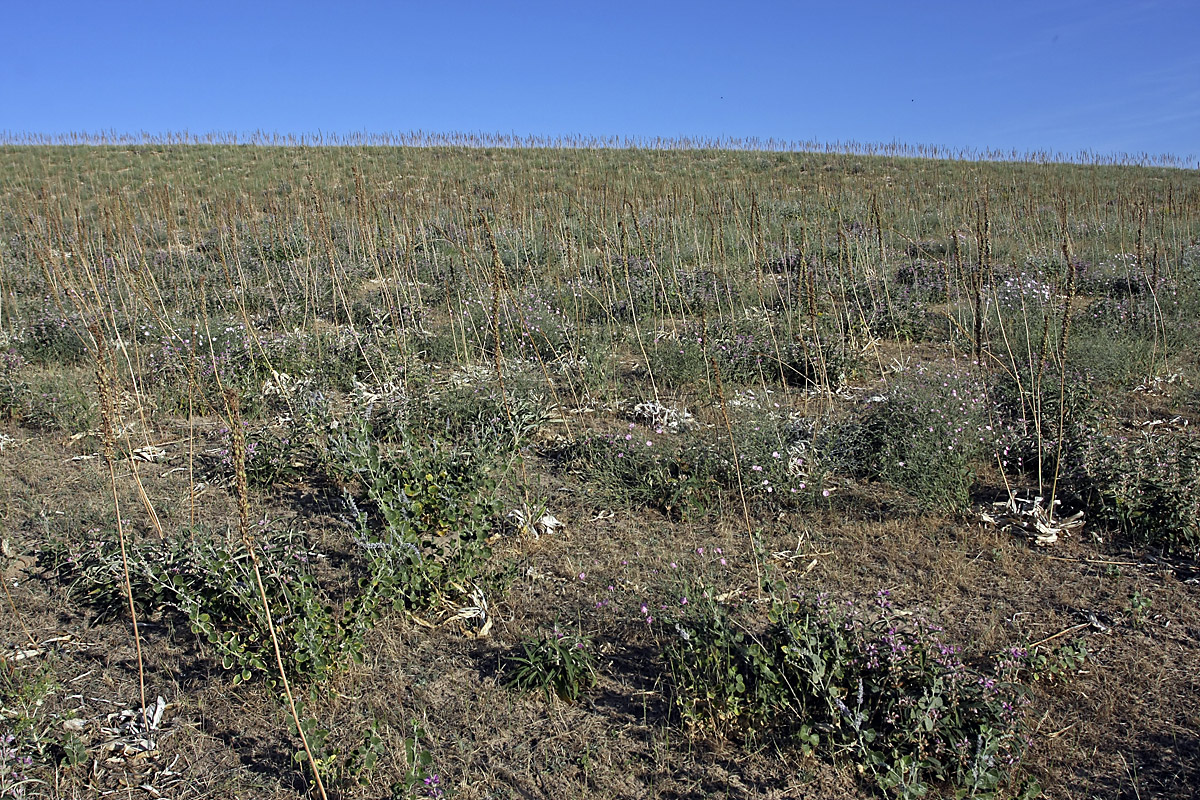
{"points": [[783, 461], [644, 469], [61, 400], [54, 337], [747, 353], [14, 389], [1030, 418], [873, 685], [482, 416], [434, 510], [1145, 486], [927, 438], [212, 584]]}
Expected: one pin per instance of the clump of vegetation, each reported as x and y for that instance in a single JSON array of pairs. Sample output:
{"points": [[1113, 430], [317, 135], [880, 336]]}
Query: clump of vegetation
{"points": [[209, 582], [871, 685], [430, 516], [558, 663], [928, 436], [1146, 486]]}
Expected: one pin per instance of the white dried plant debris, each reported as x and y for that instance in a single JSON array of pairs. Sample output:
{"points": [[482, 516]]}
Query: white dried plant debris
{"points": [[131, 407], [132, 733], [476, 610], [121, 430], [763, 316], [664, 335], [656, 414], [799, 458], [149, 453], [1159, 384], [547, 523], [388, 395], [7, 442], [536, 522], [839, 392], [800, 452], [1032, 519], [284, 386], [751, 398], [365, 394], [569, 363]]}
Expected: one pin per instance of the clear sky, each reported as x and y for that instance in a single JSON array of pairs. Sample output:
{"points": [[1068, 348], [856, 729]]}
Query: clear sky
{"points": [[1058, 75]]}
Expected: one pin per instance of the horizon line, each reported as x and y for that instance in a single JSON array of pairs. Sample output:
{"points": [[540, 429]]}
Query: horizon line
{"points": [[513, 141]]}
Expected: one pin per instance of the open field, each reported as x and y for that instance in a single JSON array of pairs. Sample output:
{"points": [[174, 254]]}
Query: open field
{"points": [[465, 472]]}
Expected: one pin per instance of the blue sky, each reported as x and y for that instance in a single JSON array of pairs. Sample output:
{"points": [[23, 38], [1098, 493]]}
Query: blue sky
{"points": [[1059, 75]]}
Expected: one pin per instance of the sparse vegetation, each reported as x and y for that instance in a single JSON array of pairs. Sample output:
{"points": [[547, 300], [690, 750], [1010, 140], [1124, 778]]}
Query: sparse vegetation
{"points": [[314, 448]]}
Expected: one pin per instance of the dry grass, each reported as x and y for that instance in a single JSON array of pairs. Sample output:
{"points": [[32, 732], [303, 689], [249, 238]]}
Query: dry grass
{"points": [[458, 295]]}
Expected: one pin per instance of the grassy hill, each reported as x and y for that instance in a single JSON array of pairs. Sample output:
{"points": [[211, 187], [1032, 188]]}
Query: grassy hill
{"points": [[453, 471]]}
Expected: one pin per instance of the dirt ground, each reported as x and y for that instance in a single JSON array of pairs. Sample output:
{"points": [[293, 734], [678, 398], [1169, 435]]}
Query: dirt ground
{"points": [[1123, 723]]}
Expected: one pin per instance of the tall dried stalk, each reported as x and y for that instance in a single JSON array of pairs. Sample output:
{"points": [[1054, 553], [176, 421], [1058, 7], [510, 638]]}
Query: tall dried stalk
{"points": [[737, 468], [105, 379], [1064, 339], [237, 449]]}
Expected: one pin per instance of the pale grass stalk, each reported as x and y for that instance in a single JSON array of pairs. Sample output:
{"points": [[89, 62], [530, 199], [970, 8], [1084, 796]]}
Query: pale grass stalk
{"points": [[737, 469], [237, 448], [1062, 359], [105, 388]]}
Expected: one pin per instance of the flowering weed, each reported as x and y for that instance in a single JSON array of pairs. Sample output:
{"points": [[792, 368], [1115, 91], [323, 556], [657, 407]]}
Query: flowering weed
{"points": [[871, 684]]}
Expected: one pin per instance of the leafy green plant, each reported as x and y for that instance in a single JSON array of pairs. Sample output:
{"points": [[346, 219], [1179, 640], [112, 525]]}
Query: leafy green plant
{"points": [[723, 676], [1139, 608], [296, 443], [490, 421], [417, 780], [53, 401], [1030, 419], [14, 390], [339, 771], [211, 583], [13, 779], [55, 337], [33, 740], [927, 437], [1146, 486], [876, 686], [784, 461], [559, 664], [640, 468], [435, 510], [1054, 664]]}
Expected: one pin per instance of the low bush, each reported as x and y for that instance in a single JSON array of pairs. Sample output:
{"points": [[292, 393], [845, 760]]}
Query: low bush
{"points": [[874, 685], [211, 583], [1030, 417], [1145, 486], [927, 437], [424, 519], [644, 469]]}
